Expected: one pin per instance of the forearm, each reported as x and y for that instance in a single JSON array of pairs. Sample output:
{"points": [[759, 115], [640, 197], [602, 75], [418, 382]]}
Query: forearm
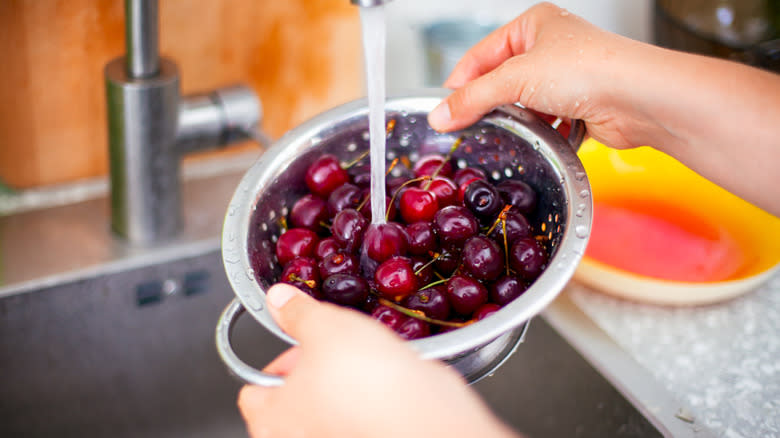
{"points": [[720, 118]]}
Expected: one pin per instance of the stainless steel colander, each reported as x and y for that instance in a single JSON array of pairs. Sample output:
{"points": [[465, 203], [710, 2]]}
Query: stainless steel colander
{"points": [[508, 143]]}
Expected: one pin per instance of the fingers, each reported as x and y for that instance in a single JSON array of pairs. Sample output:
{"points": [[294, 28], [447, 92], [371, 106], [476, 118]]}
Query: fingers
{"points": [[285, 362], [469, 103], [488, 54]]}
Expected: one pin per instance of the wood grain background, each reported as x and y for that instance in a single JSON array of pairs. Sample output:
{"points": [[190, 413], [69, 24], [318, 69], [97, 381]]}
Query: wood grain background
{"points": [[300, 56]]}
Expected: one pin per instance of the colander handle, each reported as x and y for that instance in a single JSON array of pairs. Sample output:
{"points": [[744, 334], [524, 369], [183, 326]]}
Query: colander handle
{"points": [[577, 134], [225, 349]]}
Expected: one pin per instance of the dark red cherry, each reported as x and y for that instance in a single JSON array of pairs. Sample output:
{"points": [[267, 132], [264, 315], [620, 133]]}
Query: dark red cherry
{"points": [[444, 190], [382, 241], [389, 317], [448, 261], [413, 328], [466, 294], [467, 174], [338, 263], [348, 227], [390, 209], [517, 227], [327, 246], [325, 175], [454, 225], [302, 273], [428, 164], [432, 302], [296, 242], [483, 199], [362, 180], [527, 258], [486, 310], [463, 186], [345, 289], [422, 240], [418, 205], [395, 278], [482, 258], [506, 289], [309, 212], [346, 196], [519, 194], [422, 270]]}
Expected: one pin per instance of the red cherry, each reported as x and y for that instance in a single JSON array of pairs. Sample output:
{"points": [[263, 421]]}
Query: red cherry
{"points": [[462, 188], [418, 205], [382, 241], [395, 278], [296, 242], [325, 175], [428, 164], [445, 191]]}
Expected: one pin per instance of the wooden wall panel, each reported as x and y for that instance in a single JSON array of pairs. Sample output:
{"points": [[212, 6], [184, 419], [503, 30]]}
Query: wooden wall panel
{"points": [[301, 57]]}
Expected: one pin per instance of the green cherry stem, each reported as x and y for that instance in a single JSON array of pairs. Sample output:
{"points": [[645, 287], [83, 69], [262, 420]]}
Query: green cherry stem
{"points": [[416, 314]]}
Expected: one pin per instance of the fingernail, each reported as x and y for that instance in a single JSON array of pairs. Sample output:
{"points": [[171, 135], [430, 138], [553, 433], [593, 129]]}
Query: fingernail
{"points": [[279, 295], [440, 116]]}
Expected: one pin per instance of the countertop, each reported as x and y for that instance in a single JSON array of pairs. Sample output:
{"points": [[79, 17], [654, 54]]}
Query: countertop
{"points": [[721, 361]]}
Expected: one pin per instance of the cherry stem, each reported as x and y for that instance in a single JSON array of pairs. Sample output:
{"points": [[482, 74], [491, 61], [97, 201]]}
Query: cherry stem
{"points": [[356, 160], [447, 158], [501, 216], [324, 224], [417, 314], [391, 166], [283, 223], [436, 256], [390, 126], [398, 190], [435, 283], [363, 202], [310, 283]]}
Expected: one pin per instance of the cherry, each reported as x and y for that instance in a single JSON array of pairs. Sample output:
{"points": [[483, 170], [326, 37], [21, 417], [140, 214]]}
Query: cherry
{"points": [[432, 302], [519, 194], [296, 242], [444, 190], [327, 246], [428, 164], [517, 227], [467, 174], [390, 210], [348, 227], [422, 240], [395, 278], [448, 261], [302, 273], [486, 310], [346, 196], [389, 317], [325, 175], [482, 258], [483, 199], [422, 269], [413, 328], [338, 263], [418, 205], [309, 212], [506, 289], [382, 241], [463, 186], [362, 180], [345, 289], [454, 225], [466, 294], [527, 258]]}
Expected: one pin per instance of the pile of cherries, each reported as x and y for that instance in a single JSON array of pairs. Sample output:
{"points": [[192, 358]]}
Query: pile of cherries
{"points": [[454, 249]]}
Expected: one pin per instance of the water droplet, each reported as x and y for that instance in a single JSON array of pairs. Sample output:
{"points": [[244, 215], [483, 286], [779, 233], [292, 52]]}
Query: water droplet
{"points": [[264, 226], [412, 120], [579, 176], [352, 147], [250, 274], [581, 231], [564, 13], [404, 142], [390, 155], [462, 163], [366, 135], [584, 194]]}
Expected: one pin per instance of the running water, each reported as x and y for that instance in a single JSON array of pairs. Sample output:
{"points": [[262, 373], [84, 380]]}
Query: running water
{"points": [[372, 21]]}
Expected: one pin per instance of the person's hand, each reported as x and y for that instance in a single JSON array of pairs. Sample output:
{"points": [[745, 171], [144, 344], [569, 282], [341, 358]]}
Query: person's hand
{"points": [[352, 377], [717, 117]]}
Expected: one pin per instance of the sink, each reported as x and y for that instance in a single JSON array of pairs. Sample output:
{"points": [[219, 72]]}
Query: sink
{"points": [[119, 341]]}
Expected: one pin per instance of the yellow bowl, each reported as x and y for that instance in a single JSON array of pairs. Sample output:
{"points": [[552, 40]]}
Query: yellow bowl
{"points": [[652, 178]]}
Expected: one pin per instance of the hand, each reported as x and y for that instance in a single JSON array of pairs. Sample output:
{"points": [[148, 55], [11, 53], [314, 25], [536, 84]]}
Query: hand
{"points": [[350, 376], [717, 117]]}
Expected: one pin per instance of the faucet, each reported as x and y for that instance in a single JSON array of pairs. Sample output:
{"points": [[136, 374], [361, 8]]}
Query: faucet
{"points": [[151, 127]]}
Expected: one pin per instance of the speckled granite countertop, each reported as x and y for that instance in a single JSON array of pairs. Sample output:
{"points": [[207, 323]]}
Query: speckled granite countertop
{"points": [[722, 361]]}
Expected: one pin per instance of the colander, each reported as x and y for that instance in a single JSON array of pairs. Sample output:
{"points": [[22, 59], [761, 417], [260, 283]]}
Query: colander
{"points": [[508, 143]]}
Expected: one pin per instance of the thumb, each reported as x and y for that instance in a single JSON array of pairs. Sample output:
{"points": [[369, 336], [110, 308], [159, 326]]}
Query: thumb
{"points": [[306, 319], [504, 85]]}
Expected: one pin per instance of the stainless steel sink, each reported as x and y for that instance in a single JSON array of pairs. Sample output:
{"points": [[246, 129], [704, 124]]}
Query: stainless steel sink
{"points": [[118, 341]]}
